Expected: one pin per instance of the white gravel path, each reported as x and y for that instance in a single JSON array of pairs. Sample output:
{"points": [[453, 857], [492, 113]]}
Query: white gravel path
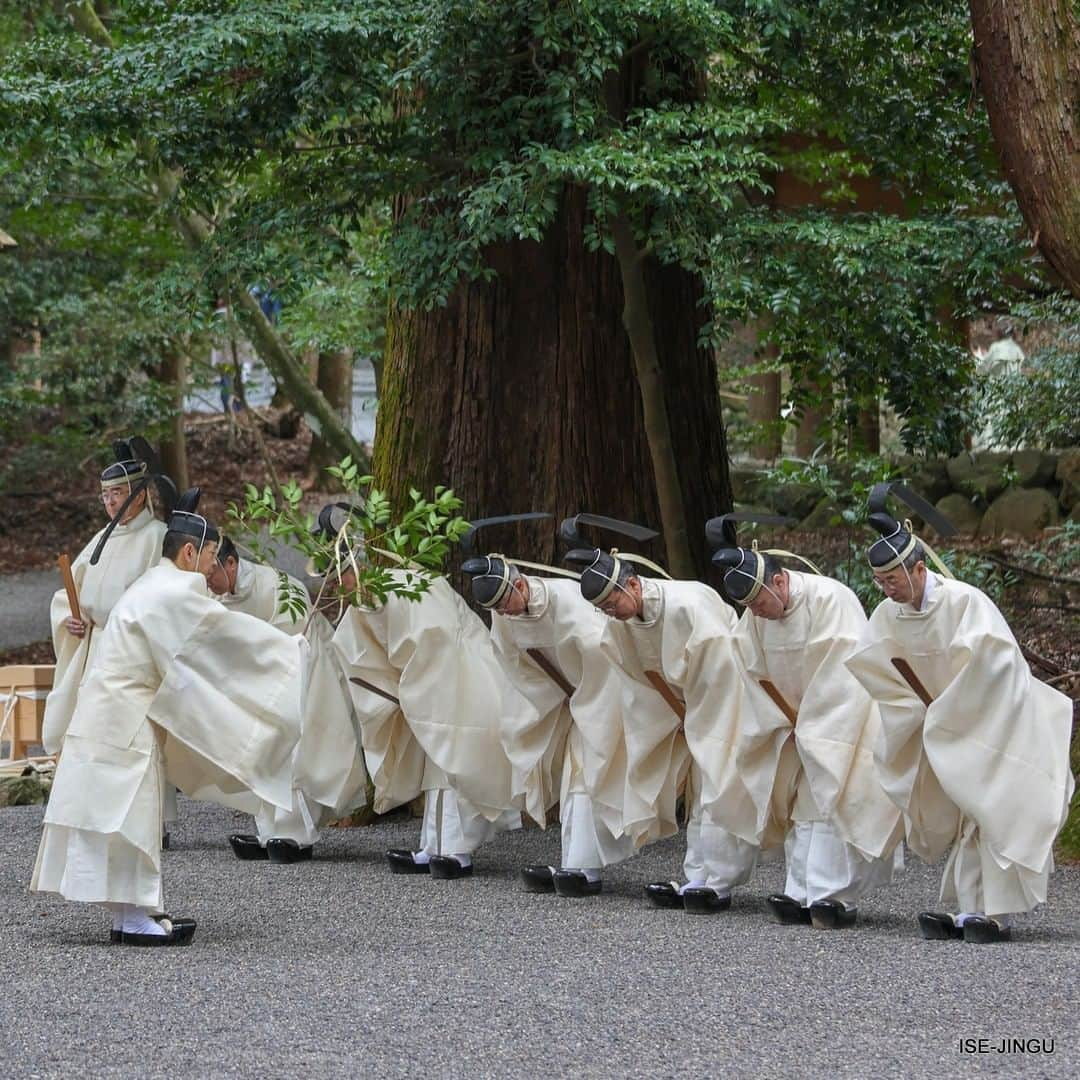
{"points": [[338, 969]]}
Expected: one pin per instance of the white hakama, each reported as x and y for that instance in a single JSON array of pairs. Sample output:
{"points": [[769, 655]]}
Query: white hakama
{"points": [[443, 733], [183, 692], [815, 786], [329, 777], [984, 770], [575, 753], [685, 636]]}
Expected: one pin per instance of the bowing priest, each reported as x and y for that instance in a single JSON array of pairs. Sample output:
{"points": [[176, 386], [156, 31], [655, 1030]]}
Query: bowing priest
{"points": [[571, 750], [973, 750], [328, 770], [432, 701], [805, 746], [183, 692], [125, 549], [671, 642]]}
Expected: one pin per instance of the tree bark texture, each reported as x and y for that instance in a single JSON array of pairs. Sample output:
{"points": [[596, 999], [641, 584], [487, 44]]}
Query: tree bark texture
{"points": [[522, 395], [1028, 60]]}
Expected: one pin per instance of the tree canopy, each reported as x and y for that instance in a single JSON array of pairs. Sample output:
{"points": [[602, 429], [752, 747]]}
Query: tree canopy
{"points": [[291, 126]]}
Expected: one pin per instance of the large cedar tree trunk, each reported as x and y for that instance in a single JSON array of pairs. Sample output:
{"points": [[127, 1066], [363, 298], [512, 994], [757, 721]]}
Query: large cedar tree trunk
{"points": [[521, 394], [1028, 58]]}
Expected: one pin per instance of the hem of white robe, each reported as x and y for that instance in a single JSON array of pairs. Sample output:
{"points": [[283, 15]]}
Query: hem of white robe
{"points": [[95, 868]]}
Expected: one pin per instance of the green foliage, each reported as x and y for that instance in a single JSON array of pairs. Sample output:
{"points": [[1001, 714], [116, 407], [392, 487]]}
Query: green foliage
{"points": [[294, 125], [1039, 406], [390, 553], [845, 481], [1058, 553]]}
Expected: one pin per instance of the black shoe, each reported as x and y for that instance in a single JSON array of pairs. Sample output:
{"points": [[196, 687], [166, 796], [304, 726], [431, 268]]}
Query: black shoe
{"points": [[402, 862], [703, 901], [165, 841], [287, 851], [181, 928], [664, 894], [981, 930], [447, 868], [538, 879], [178, 932], [247, 847], [787, 911], [832, 915], [574, 884], [939, 926]]}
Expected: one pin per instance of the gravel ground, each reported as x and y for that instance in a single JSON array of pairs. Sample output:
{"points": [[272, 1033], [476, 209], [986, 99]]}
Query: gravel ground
{"points": [[336, 968], [24, 602]]}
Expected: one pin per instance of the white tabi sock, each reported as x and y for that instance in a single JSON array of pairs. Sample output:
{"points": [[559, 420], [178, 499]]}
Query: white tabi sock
{"points": [[421, 858], [691, 885], [465, 860], [137, 921]]}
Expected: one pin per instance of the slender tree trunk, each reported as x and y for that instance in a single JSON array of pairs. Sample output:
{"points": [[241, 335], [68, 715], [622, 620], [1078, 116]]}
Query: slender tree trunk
{"points": [[174, 445], [638, 322], [866, 435], [522, 394], [270, 346], [763, 407], [814, 429], [1028, 59], [334, 377]]}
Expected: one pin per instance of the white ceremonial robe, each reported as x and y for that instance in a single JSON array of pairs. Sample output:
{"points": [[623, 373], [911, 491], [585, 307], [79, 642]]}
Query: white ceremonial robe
{"points": [[454, 700], [257, 593], [329, 773], [130, 551], [984, 768], [183, 692], [815, 786], [575, 752], [685, 635]]}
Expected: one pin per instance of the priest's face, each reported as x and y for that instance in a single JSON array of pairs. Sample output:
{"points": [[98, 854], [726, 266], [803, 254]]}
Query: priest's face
{"points": [[903, 585], [623, 602], [222, 578], [516, 600], [207, 558], [772, 600], [113, 498]]}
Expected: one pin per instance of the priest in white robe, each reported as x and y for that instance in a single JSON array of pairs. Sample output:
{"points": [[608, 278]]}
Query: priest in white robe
{"points": [[329, 774], [673, 665], [805, 747], [134, 546], [973, 749], [183, 692], [433, 701], [571, 750]]}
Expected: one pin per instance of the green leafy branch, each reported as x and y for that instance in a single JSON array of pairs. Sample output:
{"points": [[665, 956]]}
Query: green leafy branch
{"points": [[387, 553]]}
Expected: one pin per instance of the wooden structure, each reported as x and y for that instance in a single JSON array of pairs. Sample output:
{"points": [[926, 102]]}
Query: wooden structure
{"points": [[23, 689]]}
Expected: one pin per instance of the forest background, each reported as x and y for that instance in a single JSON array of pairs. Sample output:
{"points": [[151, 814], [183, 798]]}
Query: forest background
{"points": [[586, 246]]}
